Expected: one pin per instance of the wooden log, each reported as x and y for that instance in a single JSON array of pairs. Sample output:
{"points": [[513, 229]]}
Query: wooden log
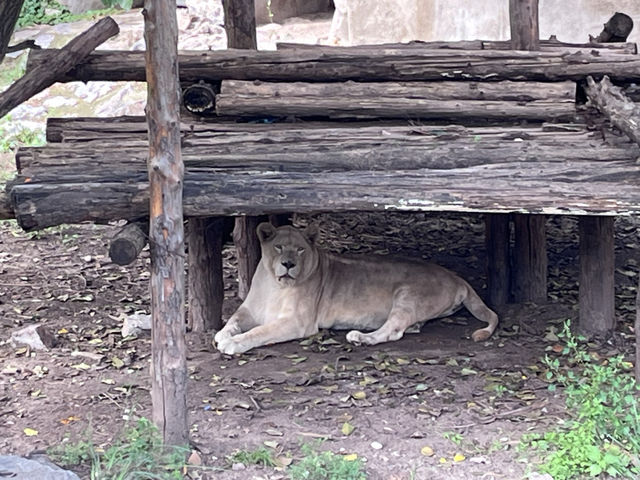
{"points": [[127, 244], [596, 292], [554, 45], [59, 63], [6, 209], [497, 237], [364, 65], [240, 25], [434, 100], [523, 20], [206, 288], [615, 105], [636, 328], [166, 235], [9, 13], [530, 259], [617, 29]]}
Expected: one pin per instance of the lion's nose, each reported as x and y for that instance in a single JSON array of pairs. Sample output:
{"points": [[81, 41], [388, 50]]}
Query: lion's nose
{"points": [[288, 264]]}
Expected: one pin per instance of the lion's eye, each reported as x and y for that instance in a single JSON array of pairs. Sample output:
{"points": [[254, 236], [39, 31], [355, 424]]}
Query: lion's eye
{"points": [[278, 248], [300, 250]]}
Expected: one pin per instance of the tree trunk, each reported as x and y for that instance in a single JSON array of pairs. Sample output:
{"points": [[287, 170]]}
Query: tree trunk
{"points": [[530, 259], [240, 24], [9, 14], [597, 265], [247, 251], [45, 75], [637, 332], [166, 235], [523, 19], [6, 208], [498, 267]]}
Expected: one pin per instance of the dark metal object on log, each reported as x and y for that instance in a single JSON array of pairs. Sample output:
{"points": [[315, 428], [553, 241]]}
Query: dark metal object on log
{"points": [[596, 292], [9, 13], [240, 25], [45, 75], [617, 29], [364, 65], [127, 244], [431, 100], [530, 259], [206, 289], [498, 260], [200, 99], [523, 20], [616, 106], [166, 235]]}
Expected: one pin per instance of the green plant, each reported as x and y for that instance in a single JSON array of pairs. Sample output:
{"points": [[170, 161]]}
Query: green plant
{"points": [[326, 466], [138, 454], [11, 139], [602, 435], [453, 437], [260, 456], [12, 69], [124, 4], [38, 12]]}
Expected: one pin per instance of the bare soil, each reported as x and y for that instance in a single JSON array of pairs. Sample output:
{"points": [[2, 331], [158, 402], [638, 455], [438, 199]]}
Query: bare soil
{"points": [[433, 389]]}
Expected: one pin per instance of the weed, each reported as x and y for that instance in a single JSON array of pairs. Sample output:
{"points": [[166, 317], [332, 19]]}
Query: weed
{"points": [[602, 435], [326, 466], [260, 456], [454, 437], [12, 138], [138, 454], [51, 12], [13, 69]]}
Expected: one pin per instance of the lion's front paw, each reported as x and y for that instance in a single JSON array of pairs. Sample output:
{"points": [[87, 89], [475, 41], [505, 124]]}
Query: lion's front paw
{"points": [[355, 337], [221, 336], [230, 346]]}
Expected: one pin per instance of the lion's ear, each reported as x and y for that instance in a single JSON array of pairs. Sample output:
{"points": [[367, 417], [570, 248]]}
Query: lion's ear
{"points": [[265, 231], [311, 232]]}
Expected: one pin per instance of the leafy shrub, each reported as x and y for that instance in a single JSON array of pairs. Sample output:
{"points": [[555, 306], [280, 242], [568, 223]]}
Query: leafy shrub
{"points": [[326, 466], [43, 12]]}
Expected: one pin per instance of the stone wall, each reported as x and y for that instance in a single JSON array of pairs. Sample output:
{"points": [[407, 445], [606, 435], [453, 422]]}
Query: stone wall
{"points": [[283, 9], [373, 21]]}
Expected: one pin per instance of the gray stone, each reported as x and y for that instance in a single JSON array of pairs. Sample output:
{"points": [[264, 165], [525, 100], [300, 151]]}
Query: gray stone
{"points": [[18, 468], [283, 9], [36, 337], [80, 6]]}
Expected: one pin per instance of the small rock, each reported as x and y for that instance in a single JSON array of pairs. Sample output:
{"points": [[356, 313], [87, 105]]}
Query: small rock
{"points": [[540, 476], [376, 445], [238, 466], [134, 324], [36, 337]]}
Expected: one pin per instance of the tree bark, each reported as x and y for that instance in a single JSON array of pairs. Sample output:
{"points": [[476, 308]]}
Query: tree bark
{"points": [[45, 75], [6, 209], [637, 332], [240, 25], [597, 265], [127, 244], [441, 100], [530, 259], [206, 288], [523, 19], [9, 13], [612, 102], [366, 65], [498, 263], [166, 235]]}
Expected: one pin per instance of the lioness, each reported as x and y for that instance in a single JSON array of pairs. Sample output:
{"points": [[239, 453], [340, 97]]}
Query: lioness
{"points": [[298, 289]]}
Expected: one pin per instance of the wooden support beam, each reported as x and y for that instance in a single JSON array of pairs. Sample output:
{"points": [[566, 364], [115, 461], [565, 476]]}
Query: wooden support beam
{"points": [[523, 19], [529, 259], [127, 244], [166, 234], [240, 25], [497, 237], [58, 64], [636, 329], [206, 287], [596, 293]]}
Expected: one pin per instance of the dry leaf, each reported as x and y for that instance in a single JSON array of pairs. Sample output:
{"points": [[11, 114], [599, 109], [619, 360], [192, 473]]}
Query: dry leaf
{"points": [[427, 451], [458, 457], [347, 429], [352, 457], [30, 432], [359, 395]]}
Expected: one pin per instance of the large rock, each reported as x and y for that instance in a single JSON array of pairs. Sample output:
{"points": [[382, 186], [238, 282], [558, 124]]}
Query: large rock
{"points": [[283, 9], [18, 468], [357, 22], [80, 6]]}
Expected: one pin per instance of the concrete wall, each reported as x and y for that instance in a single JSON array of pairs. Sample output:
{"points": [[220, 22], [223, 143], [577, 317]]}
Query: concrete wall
{"points": [[374, 21], [283, 9]]}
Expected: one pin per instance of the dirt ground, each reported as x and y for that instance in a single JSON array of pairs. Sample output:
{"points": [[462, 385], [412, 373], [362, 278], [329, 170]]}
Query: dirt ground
{"points": [[434, 389]]}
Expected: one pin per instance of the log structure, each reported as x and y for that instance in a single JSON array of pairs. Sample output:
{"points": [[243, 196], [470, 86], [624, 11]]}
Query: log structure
{"points": [[56, 65], [127, 244], [166, 235], [617, 29]]}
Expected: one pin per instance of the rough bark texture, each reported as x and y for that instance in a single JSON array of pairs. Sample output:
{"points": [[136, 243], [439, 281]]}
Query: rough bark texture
{"points": [[441, 100], [637, 331], [530, 259], [166, 235], [206, 289], [127, 244], [523, 19], [370, 64], [45, 75], [6, 209], [240, 25], [596, 294], [498, 262], [613, 103], [9, 13]]}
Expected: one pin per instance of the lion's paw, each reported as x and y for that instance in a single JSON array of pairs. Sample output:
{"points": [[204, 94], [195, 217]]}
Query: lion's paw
{"points": [[480, 335], [230, 346], [221, 336], [355, 337]]}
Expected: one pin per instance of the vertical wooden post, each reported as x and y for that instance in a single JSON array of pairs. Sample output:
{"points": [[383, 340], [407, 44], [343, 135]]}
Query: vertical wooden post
{"points": [[530, 251], [166, 230], [240, 25], [9, 13], [497, 247], [596, 293], [637, 332], [529, 259], [523, 18], [206, 287]]}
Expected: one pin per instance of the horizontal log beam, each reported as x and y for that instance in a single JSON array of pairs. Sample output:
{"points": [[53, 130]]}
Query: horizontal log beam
{"points": [[431, 100], [364, 65]]}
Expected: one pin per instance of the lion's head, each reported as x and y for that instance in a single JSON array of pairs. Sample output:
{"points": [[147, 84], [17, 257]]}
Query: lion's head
{"points": [[289, 254]]}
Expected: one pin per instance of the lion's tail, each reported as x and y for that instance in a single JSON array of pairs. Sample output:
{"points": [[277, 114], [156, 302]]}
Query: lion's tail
{"points": [[478, 309]]}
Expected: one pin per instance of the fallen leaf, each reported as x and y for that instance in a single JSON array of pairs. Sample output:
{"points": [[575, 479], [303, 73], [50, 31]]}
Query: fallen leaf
{"points": [[458, 457], [30, 432], [108, 381], [117, 362], [194, 459], [284, 461], [347, 429], [468, 371], [271, 444], [427, 451], [352, 457], [81, 366], [359, 395]]}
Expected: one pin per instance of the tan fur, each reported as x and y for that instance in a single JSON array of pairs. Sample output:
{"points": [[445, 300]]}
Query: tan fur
{"points": [[298, 289]]}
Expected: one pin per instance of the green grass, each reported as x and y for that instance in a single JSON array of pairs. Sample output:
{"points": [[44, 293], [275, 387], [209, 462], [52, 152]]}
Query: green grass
{"points": [[51, 12], [136, 454], [325, 466], [11, 139], [602, 435], [12, 69]]}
